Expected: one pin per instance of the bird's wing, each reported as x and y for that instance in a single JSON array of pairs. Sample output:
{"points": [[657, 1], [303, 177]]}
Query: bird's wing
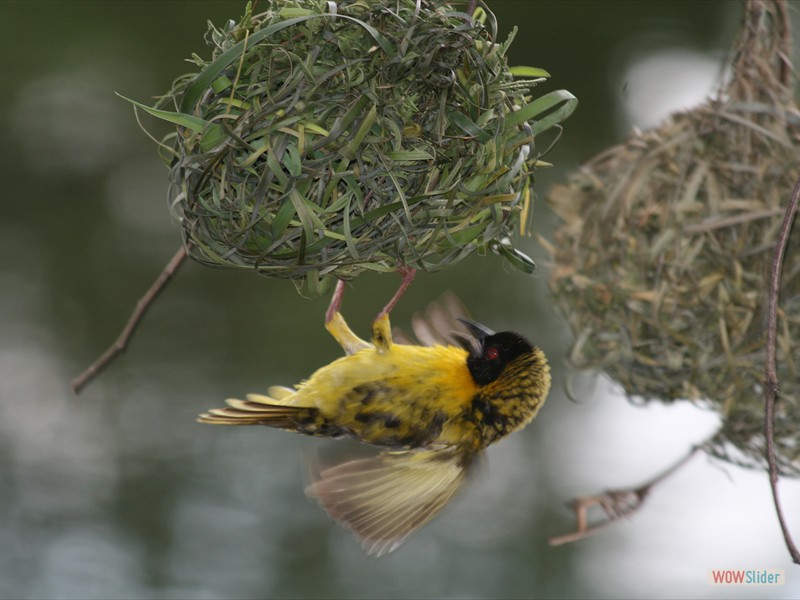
{"points": [[439, 324], [386, 498]]}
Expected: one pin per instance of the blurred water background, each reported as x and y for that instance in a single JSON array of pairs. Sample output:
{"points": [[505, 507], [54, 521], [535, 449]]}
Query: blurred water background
{"points": [[118, 493]]}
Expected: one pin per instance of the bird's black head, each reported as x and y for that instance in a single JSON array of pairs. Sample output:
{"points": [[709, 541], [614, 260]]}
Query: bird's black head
{"points": [[492, 352]]}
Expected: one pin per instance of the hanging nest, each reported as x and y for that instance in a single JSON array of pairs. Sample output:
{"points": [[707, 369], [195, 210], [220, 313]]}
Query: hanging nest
{"points": [[324, 139], [661, 265]]}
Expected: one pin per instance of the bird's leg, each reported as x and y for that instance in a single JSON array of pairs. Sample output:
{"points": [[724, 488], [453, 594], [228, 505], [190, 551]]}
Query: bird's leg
{"points": [[336, 301], [408, 275], [338, 328], [382, 333], [381, 328]]}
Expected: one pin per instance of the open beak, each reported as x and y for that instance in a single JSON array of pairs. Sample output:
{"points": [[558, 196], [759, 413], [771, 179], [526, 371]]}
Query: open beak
{"points": [[474, 341], [476, 329]]}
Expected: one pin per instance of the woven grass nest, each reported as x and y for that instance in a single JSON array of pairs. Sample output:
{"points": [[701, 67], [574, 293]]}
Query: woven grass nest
{"points": [[323, 139], [661, 264]]}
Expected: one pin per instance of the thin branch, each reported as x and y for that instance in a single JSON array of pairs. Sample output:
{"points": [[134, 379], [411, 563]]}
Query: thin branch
{"points": [[141, 307], [771, 384], [616, 504]]}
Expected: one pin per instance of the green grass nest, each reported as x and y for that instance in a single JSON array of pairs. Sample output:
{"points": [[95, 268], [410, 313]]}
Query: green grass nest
{"points": [[323, 139], [662, 262]]}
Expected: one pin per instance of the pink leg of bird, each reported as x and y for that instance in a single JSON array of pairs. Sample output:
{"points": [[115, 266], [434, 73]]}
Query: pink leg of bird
{"points": [[336, 301], [408, 275], [337, 326], [381, 331]]}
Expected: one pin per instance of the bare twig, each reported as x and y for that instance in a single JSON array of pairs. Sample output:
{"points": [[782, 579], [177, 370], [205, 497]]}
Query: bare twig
{"points": [[141, 307], [616, 504], [771, 384]]}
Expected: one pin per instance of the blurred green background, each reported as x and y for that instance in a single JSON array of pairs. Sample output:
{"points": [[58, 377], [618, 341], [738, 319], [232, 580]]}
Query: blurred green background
{"points": [[118, 493]]}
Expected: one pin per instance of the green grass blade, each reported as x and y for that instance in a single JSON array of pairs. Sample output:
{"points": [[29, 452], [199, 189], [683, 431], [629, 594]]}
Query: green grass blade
{"points": [[521, 71], [562, 98], [212, 133]]}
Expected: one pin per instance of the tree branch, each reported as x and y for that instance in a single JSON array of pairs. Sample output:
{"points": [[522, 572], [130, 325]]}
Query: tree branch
{"points": [[771, 384], [141, 307], [616, 504]]}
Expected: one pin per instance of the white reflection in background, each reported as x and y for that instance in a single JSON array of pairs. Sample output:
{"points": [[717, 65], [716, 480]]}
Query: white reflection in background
{"points": [[88, 560], [51, 451], [208, 538], [71, 122], [706, 515], [658, 82], [60, 469]]}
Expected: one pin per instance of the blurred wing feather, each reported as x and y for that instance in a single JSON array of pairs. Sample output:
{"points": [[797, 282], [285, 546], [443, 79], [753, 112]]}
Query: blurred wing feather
{"points": [[439, 324], [385, 499]]}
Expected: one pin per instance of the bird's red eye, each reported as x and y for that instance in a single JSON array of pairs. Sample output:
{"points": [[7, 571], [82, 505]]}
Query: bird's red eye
{"points": [[492, 353]]}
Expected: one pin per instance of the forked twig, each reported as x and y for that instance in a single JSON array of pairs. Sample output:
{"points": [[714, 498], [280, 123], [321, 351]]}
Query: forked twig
{"points": [[141, 307], [616, 504], [771, 384]]}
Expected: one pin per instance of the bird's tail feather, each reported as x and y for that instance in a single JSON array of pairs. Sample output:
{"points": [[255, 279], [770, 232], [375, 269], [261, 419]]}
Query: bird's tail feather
{"points": [[259, 409]]}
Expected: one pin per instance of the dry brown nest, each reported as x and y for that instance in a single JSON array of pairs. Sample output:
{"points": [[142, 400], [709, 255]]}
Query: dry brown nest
{"points": [[661, 264]]}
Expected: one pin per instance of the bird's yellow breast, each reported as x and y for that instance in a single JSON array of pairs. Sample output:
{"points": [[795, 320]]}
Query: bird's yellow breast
{"points": [[407, 396]]}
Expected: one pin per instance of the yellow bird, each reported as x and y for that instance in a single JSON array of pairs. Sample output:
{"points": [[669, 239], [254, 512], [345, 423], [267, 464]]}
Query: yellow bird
{"points": [[432, 409]]}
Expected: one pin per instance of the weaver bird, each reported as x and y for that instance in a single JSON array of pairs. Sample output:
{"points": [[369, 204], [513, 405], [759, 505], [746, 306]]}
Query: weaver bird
{"points": [[432, 409]]}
